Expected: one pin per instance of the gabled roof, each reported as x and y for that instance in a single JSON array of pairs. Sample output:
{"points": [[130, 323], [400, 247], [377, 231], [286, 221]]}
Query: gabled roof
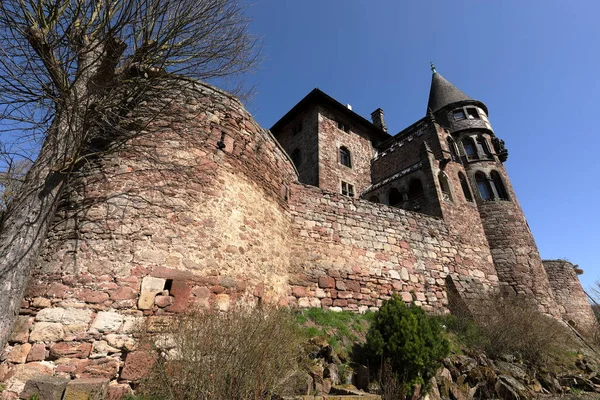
{"points": [[443, 93], [318, 97]]}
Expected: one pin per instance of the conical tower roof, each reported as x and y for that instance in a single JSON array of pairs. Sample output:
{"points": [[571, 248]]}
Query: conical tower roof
{"points": [[443, 93]]}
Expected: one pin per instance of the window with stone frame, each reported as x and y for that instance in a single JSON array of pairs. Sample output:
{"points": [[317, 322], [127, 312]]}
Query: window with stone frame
{"points": [[465, 187], [499, 185], [452, 148], [345, 158], [472, 113], [483, 184], [343, 126], [470, 149], [347, 189], [459, 114], [445, 186], [482, 147]]}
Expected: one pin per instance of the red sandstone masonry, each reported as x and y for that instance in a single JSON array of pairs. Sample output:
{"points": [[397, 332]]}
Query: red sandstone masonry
{"points": [[354, 254]]}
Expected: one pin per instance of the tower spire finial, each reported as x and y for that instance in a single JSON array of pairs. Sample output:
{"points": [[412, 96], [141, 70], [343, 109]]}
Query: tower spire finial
{"points": [[433, 67]]}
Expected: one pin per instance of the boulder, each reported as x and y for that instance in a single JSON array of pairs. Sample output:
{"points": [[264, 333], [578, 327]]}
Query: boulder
{"points": [[137, 365], [86, 389], [45, 387], [47, 332]]}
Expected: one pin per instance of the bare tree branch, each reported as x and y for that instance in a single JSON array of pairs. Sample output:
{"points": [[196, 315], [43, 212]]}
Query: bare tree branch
{"points": [[70, 70]]}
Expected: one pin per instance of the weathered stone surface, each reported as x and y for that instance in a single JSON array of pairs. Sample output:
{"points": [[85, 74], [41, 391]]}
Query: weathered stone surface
{"points": [[163, 301], [47, 332], [181, 291], [50, 314], [124, 293], [222, 302], [107, 321], [107, 367], [70, 350], [18, 354], [123, 342], [37, 353], [19, 374], [100, 348], [137, 365], [118, 391], [74, 316], [86, 389], [150, 287], [21, 328], [45, 388]]}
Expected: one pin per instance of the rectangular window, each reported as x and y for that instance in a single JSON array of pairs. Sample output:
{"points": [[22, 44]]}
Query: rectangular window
{"points": [[347, 189], [342, 126], [472, 113], [459, 114]]}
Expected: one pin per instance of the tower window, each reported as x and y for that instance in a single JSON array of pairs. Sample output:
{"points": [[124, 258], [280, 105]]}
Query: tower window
{"points": [[470, 149], [297, 157], [465, 187], [342, 126], [483, 184], [482, 146], [472, 113], [394, 197], [452, 148], [445, 186], [499, 185], [345, 157], [347, 189], [459, 114]]}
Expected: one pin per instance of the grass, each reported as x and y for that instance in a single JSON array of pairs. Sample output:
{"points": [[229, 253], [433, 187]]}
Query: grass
{"points": [[342, 330]]}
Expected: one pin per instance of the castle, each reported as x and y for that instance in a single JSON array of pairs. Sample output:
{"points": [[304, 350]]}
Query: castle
{"points": [[205, 208]]}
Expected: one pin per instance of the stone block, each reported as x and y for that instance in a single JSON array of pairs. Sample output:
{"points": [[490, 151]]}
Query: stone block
{"points": [[108, 321], [117, 391], [137, 365], [124, 293], [21, 328], [181, 291], [107, 367], [101, 349], [47, 332], [18, 354], [222, 302], [326, 282], [151, 286], [37, 353], [70, 350], [120, 341], [74, 316], [21, 373], [163, 301], [86, 389], [50, 314], [45, 388]]}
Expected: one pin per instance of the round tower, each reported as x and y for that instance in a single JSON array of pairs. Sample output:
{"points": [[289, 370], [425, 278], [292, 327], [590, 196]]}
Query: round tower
{"points": [[514, 252]]}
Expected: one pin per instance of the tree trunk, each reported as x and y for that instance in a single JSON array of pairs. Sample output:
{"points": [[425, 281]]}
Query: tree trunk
{"points": [[28, 217]]}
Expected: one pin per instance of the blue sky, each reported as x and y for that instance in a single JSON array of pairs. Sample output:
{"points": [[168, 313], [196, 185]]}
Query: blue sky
{"points": [[532, 62]]}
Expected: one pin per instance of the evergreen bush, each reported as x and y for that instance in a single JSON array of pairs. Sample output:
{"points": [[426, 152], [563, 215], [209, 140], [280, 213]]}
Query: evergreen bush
{"points": [[407, 345]]}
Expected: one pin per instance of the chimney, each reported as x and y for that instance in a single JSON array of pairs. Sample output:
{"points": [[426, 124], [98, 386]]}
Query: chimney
{"points": [[378, 121]]}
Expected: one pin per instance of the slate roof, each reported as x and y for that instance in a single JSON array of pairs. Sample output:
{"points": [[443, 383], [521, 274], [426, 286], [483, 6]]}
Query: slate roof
{"points": [[443, 93]]}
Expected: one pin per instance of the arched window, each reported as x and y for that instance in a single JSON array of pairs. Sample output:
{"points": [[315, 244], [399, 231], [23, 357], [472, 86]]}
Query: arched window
{"points": [[297, 157], [465, 187], [415, 189], [452, 147], [394, 196], [445, 186], [470, 149], [499, 185], [345, 157], [483, 184], [374, 199], [483, 147]]}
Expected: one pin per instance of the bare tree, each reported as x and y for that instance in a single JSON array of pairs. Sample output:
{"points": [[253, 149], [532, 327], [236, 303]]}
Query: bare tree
{"points": [[70, 67]]}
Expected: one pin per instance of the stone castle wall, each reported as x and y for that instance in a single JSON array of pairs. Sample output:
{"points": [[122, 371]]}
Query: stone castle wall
{"points": [[203, 209], [571, 299]]}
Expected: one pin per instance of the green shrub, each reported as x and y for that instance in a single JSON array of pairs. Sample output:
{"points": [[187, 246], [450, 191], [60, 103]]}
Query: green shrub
{"points": [[408, 342]]}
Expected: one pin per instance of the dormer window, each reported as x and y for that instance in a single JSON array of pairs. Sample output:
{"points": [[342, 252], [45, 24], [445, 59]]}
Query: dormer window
{"points": [[472, 113], [347, 189], [459, 114], [343, 127], [345, 157]]}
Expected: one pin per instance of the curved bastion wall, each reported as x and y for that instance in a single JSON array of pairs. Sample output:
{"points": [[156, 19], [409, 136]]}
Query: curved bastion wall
{"points": [[202, 208]]}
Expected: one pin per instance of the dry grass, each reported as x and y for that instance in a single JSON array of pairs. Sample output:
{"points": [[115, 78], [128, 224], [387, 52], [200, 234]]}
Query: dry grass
{"points": [[246, 353]]}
